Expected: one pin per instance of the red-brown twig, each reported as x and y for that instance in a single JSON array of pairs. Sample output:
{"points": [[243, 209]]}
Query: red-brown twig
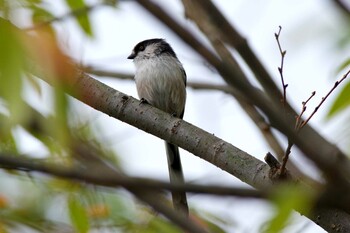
{"points": [[283, 100], [300, 124], [280, 68], [298, 121], [324, 99], [297, 127]]}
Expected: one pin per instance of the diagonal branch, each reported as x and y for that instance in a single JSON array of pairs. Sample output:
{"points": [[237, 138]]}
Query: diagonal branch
{"points": [[344, 6], [202, 144], [326, 156]]}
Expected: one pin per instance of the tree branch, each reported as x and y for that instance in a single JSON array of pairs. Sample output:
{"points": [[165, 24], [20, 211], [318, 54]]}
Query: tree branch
{"points": [[343, 6], [326, 156], [251, 111], [113, 179], [109, 177], [202, 144]]}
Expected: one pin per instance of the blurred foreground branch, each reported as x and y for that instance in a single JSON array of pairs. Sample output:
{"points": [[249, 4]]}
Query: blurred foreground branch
{"points": [[111, 178]]}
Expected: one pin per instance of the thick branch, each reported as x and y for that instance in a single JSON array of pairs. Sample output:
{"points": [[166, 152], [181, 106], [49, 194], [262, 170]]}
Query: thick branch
{"points": [[202, 144], [171, 129], [328, 157], [251, 111]]}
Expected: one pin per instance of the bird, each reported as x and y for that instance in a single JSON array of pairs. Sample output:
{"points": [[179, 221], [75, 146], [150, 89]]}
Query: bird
{"points": [[161, 82]]}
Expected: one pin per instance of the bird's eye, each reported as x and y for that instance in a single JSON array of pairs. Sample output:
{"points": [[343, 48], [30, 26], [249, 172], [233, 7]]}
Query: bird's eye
{"points": [[141, 48]]}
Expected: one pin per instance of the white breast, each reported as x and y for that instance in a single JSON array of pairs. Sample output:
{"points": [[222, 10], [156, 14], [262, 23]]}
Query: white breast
{"points": [[161, 81]]}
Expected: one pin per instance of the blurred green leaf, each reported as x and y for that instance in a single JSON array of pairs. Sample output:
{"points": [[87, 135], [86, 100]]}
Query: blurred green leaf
{"points": [[12, 62], [7, 139], [213, 227], [287, 199], [160, 225], [81, 15], [341, 102], [35, 1], [4, 8], [40, 14], [211, 221], [60, 127], [78, 215]]}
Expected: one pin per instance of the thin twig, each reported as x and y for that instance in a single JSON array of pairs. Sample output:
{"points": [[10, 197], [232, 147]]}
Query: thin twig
{"points": [[284, 101], [286, 157], [324, 98], [280, 69], [298, 121]]}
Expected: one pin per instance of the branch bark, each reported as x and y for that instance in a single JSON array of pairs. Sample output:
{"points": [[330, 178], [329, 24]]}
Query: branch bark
{"points": [[191, 138], [250, 110], [326, 156]]}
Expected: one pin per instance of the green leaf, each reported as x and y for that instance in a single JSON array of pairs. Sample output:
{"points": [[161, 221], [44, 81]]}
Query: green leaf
{"points": [[60, 127], [287, 199], [78, 215], [40, 14], [80, 10], [12, 63], [157, 224], [341, 102]]}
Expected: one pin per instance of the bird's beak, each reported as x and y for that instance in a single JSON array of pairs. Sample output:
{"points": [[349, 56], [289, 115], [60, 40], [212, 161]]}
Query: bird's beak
{"points": [[132, 55]]}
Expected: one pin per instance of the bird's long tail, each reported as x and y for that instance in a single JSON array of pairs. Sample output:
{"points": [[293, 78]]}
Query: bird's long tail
{"points": [[176, 177]]}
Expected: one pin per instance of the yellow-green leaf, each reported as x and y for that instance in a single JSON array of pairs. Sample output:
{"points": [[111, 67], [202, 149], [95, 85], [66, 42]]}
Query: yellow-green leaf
{"points": [[81, 15], [78, 215], [287, 199], [12, 63], [341, 102]]}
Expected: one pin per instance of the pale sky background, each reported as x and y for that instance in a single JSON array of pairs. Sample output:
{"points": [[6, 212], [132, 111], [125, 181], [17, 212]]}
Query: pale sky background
{"points": [[311, 61]]}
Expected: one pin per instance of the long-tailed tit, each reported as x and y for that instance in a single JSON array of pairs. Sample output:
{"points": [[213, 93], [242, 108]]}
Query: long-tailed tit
{"points": [[161, 81]]}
